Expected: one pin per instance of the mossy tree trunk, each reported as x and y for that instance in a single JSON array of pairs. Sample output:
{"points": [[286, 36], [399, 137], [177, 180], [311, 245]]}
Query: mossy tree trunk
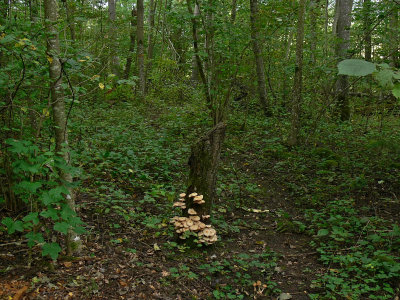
{"points": [[203, 163]]}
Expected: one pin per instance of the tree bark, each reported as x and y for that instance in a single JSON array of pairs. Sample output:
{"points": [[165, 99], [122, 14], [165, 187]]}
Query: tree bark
{"points": [[342, 30], [57, 100], [115, 65], [150, 42], [195, 70], [259, 61], [314, 13], [298, 78], [233, 11], [131, 44], [285, 88], [70, 20], [367, 30], [394, 38], [140, 48], [203, 163]]}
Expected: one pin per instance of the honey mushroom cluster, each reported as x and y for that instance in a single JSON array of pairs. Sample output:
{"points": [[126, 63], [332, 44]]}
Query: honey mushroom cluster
{"points": [[193, 223]]}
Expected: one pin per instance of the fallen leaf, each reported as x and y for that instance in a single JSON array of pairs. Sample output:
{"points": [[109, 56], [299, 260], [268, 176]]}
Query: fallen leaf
{"points": [[284, 296], [20, 293], [67, 264]]}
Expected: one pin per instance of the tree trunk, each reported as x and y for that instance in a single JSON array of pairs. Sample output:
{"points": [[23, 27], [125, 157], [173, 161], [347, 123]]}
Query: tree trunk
{"points": [[70, 20], [132, 43], [314, 14], [343, 13], [394, 38], [203, 163], [298, 78], [367, 29], [195, 70], [57, 100], [233, 11], [115, 67], [150, 42], [285, 88], [262, 89], [140, 48]]}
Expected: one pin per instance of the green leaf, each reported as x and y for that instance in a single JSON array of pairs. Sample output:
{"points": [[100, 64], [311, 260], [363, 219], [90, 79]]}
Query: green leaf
{"points": [[384, 78], [356, 67], [323, 232], [34, 238], [50, 213], [396, 90], [12, 226], [51, 249], [67, 213], [27, 186], [61, 227], [33, 217]]}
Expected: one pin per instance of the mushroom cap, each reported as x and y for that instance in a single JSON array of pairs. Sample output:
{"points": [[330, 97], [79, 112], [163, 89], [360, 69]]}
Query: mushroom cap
{"points": [[205, 217], [182, 219], [195, 218], [191, 211], [182, 199], [199, 202], [199, 197], [209, 232], [194, 227], [193, 195], [182, 195], [178, 204]]}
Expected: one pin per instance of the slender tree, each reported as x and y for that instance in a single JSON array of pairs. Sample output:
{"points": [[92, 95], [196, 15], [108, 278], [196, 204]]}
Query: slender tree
{"points": [[259, 61], [140, 48], [195, 72], [394, 38], [131, 43], [298, 77], [367, 30], [115, 67], [57, 100], [342, 31], [150, 38]]}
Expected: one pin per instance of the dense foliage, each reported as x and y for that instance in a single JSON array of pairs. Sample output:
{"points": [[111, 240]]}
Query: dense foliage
{"points": [[305, 203]]}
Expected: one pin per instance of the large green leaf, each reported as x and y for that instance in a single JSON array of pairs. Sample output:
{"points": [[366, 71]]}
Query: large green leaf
{"points": [[396, 90], [61, 227], [356, 67], [51, 249]]}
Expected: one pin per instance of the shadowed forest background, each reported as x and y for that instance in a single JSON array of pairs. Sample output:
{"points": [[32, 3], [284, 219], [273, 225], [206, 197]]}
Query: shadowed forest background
{"points": [[199, 149]]}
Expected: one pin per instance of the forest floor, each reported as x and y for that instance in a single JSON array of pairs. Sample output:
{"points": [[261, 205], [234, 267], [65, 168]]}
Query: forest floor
{"points": [[267, 217]]}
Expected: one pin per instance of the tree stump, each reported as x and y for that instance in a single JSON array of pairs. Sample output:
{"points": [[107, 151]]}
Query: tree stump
{"points": [[203, 163]]}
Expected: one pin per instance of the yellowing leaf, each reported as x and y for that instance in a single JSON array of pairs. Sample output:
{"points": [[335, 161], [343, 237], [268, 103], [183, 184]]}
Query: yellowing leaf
{"points": [[24, 109], [130, 170], [81, 60], [50, 59], [33, 47], [87, 57], [46, 112], [156, 247], [101, 85]]}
